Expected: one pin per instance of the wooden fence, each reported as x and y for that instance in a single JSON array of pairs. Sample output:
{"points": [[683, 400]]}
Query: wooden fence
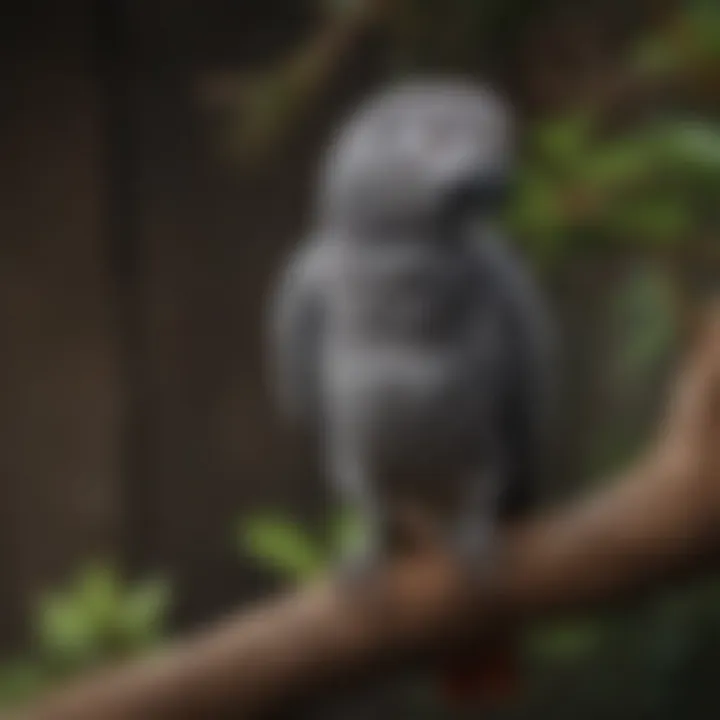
{"points": [[134, 258]]}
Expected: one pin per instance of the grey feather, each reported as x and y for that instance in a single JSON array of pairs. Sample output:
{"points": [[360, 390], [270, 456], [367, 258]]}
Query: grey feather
{"points": [[409, 336], [295, 331]]}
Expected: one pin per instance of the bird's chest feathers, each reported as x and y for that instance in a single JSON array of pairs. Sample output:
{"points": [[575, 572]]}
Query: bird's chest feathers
{"points": [[402, 361], [391, 394], [395, 297]]}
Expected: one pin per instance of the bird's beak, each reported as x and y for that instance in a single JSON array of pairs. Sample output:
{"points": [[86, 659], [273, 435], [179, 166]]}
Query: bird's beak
{"points": [[482, 191]]}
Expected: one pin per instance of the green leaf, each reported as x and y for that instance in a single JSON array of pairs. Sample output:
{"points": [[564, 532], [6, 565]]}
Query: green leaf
{"points": [[656, 220], [564, 141], [142, 615], [98, 617], [565, 641], [98, 591], [703, 19], [20, 681], [346, 531], [691, 145], [618, 163], [282, 546], [655, 55], [65, 635], [645, 315], [537, 209]]}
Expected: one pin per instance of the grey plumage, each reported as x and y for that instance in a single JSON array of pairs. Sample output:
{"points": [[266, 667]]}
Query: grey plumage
{"points": [[405, 331]]}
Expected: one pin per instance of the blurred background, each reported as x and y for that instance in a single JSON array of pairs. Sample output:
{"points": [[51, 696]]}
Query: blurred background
{"points": [[157, 160]]}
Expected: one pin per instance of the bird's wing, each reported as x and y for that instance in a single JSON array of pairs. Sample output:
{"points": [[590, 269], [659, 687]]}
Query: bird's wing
{"points": [[295, 329], [528, 370]]}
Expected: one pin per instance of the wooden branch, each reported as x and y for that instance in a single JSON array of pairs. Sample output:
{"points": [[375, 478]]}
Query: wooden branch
{"points": [[270, 103], [661, 518]]}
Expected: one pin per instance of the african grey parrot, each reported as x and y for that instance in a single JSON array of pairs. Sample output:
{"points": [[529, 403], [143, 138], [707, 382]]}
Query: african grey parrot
{"points": [[406, 333]]}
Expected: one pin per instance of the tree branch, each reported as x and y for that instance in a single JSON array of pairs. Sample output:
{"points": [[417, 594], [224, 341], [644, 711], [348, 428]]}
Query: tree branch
{"points": [[660, 519]]}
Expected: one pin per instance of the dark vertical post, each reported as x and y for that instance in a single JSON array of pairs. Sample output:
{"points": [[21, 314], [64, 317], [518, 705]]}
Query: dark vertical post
{"points": [[115, 65]]}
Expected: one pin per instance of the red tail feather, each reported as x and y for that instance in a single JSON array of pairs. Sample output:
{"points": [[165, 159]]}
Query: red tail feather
{"points": [[491, 678]]}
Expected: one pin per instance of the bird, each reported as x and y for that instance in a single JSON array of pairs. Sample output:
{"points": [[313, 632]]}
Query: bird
{"points": [[407, 334]]}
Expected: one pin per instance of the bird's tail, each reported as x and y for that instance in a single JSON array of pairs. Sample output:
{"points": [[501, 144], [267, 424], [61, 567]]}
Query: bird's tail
{"points": [[488, 678]]}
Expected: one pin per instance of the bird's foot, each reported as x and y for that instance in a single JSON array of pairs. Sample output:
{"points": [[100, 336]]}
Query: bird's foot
{"points": [[356, 568], [474, 548]]}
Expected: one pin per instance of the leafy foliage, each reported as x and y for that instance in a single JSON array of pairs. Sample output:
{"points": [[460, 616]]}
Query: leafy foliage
{"points": [[97, 617], [689, 41], [645, 324], [286, 547], [282, 546], [644, 188]]}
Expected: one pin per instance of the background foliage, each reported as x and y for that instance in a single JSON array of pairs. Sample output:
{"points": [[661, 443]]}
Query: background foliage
{"points": [[95, 619]]}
